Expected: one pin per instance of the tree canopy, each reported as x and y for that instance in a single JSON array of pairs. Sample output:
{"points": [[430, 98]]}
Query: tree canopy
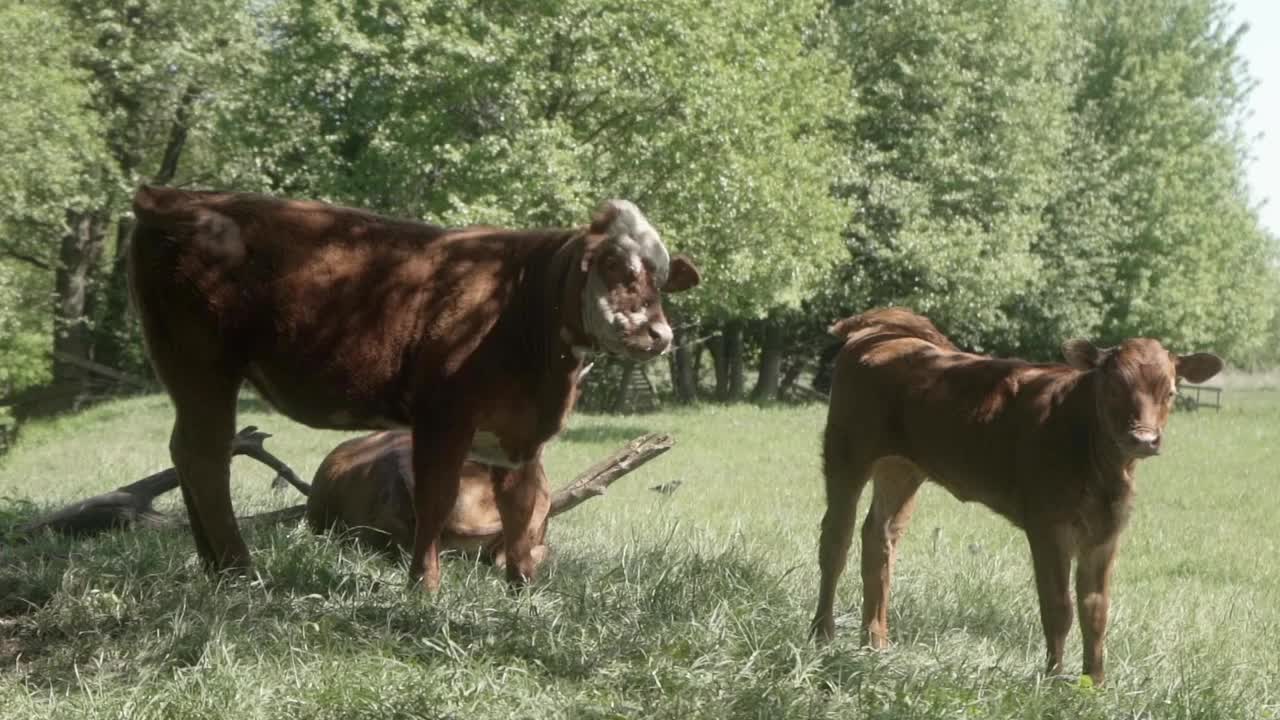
{"points": [[1022, 171]]}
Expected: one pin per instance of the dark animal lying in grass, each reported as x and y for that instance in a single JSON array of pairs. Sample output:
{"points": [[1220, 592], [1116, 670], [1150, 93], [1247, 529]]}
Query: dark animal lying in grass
{"points": [[365, 486], [1050, 447], [343, 319]]}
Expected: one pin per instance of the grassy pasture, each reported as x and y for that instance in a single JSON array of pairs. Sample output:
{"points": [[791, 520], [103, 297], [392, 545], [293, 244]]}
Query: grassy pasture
{"points": [[689, 606]]}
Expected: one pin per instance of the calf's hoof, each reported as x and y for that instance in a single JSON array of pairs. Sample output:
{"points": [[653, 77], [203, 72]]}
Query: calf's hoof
{"points": [[822, 630]]}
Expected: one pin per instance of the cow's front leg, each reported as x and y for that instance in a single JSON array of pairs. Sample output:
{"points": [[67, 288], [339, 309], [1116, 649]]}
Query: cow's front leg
{"points": [[523, 500], [439, 449]]}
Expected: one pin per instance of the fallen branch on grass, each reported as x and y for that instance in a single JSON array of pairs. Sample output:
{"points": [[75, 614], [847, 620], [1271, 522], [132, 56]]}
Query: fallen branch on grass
{"points": [[131, 505]]}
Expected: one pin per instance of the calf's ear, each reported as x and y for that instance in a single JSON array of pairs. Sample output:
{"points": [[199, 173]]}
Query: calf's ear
{"points": [[683, 275], [1083, 355], [1198, 367]]}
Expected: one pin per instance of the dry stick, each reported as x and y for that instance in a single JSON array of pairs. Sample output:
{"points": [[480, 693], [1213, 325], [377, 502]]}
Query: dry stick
{"points": [[594, 480]]}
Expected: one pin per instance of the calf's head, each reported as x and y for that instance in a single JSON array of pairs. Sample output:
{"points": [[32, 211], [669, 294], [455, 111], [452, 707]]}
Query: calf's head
{"points": [[627, 269], [1137, 381]]}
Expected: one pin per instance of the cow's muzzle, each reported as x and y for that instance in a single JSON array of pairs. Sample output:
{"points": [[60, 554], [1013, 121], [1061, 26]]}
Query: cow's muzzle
{"points": [[1144, 442]]}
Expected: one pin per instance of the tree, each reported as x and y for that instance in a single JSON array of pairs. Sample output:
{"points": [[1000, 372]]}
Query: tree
{"points": [[157, 67], [713, 116], [961, 119], [1163, 87], [52, 147]]}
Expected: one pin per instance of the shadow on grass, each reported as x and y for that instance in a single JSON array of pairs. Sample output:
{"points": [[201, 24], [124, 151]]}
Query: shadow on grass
{"points": [[137, 604]]}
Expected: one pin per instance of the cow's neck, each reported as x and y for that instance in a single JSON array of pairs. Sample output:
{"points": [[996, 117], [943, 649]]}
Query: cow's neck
{"points": [[1111, 468], [550, 327]]}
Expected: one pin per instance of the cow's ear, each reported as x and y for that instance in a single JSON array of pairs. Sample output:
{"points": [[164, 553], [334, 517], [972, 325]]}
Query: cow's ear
{"points": [[1083, 355], [603, 217], [682, 275], [1197, 367]]}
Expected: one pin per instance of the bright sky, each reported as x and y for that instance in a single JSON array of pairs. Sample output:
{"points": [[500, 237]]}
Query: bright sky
{"points": [[1262, 51]]}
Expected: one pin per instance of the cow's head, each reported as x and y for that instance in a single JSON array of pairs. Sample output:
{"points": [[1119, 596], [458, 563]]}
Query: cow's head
{"points": [[628, 268], [1137, 382]]}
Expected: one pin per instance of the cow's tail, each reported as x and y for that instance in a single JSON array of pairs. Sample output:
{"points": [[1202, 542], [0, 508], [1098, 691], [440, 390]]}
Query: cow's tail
{"points": [[162, 208], [843, 328]]}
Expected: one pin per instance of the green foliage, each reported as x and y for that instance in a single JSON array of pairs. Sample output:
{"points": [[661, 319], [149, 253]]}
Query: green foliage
{"points": [[23, 333], [1022, 171], [1162, 88], [709, 115], [962, 115], [1028, 171], [50, 143]]}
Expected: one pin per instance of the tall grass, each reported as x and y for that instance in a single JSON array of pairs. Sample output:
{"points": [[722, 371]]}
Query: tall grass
{"points": [[684, 606]]}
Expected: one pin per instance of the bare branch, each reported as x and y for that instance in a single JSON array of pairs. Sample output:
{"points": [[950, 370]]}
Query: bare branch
{"points": [[595, 480], [32, 260], [131, 504]]}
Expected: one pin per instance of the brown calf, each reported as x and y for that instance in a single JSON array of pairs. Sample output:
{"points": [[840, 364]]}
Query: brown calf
{"points": [[1050, 447], [365, 486], [344, 319]]}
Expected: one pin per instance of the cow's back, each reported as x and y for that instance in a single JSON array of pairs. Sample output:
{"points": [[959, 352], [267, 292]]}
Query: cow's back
{"points": [[969, 421], [318, 306]]}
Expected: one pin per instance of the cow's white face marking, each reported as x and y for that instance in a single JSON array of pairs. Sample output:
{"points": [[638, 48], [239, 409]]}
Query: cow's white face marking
{"points": [[632, 231], [486, 449], [620, 299]]}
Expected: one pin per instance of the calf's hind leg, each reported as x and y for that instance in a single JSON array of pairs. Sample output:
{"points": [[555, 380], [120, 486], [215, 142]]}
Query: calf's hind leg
{"points": [[845, 476], [894, 498]]}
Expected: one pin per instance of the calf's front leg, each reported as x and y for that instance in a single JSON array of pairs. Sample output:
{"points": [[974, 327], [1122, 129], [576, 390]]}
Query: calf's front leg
{"points": [[439, 450], [1093, 602], [1051, 558]]}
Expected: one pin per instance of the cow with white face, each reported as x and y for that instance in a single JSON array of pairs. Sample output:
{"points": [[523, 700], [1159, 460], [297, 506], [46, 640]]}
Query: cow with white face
{"points": [[471, 337], [627, 269]]}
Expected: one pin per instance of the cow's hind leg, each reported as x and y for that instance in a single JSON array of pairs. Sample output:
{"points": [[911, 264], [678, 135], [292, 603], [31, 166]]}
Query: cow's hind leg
{"points": [[894, 498], [200, 445], [523, 501], [846, 474]]}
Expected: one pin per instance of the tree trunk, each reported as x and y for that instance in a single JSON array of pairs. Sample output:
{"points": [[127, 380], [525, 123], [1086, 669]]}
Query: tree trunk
{"points": [[733, 360], [767, 382], [790, 376], [78, 256], [622, 394], [683, 380], [720, 359], [117, 333]]}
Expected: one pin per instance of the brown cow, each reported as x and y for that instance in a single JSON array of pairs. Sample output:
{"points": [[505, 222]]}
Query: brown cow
{"points": [[365, 486], [344, 319], [1050, 447]]}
